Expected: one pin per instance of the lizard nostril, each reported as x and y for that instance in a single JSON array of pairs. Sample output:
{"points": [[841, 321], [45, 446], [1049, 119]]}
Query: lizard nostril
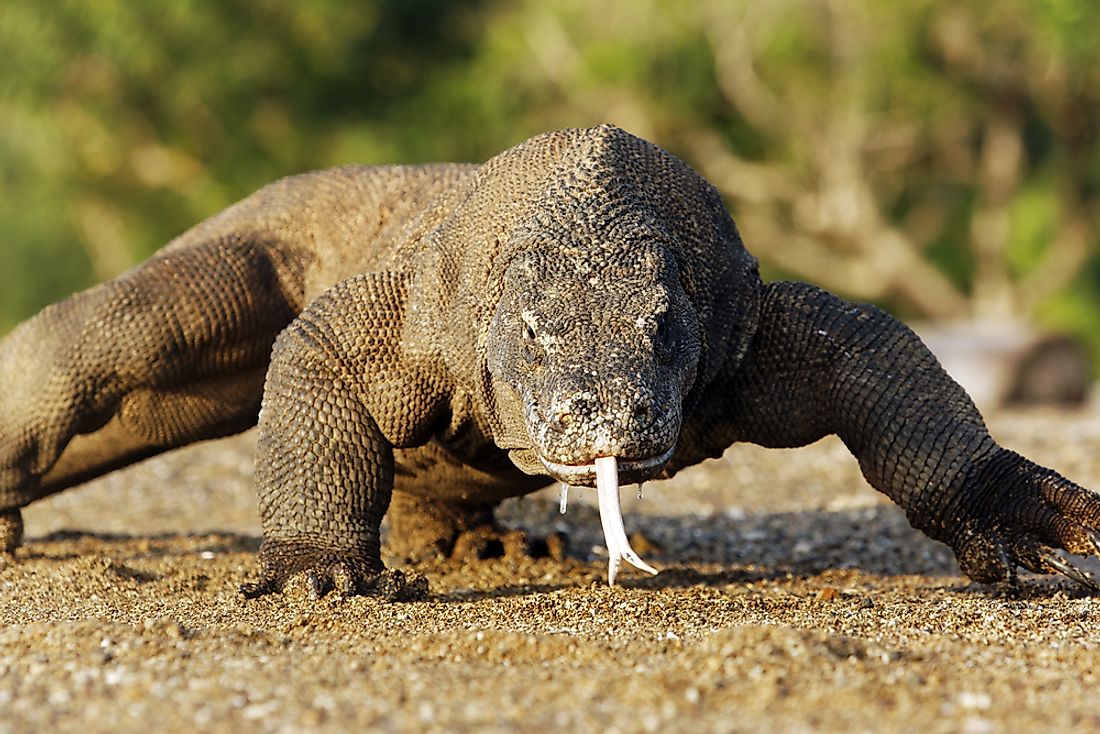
{"points": [[643, 413], [573, 409]]}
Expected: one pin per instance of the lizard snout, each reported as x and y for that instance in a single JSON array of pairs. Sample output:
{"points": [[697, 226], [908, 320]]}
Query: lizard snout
{"points": [[621, 420], [567, 411], [629, 411]]}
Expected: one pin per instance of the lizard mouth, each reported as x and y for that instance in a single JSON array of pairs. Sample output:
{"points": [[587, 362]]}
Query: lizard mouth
{"points": [[631, 470], [606, 469]]}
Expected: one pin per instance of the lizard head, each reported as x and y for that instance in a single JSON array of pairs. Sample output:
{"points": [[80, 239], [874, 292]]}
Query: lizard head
{"points": [[590, 354], [608, 289]]}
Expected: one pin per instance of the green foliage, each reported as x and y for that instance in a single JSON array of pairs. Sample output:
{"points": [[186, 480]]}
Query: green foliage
{"points": [[963, 136], [123, 123]]}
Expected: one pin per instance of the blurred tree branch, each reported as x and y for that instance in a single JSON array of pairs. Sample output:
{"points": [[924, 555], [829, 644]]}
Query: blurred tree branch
{"points": [[938, 158]]}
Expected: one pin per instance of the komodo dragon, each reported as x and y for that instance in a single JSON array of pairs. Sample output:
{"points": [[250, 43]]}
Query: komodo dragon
{"points": [[579, 307]]}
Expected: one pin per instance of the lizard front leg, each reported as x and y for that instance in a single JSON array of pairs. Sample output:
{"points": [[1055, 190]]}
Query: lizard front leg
{"points": [[340, 395], [820, 365]]}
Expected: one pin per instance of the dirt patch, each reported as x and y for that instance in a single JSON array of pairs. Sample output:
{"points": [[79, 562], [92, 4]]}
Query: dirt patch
{"points": [[792, 597]]}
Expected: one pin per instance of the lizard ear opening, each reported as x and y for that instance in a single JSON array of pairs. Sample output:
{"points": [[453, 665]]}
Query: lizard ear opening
{"points": [[531, 350]]}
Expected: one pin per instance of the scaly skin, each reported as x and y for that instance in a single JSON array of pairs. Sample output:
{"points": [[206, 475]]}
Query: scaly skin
{"points": [[459, 334]]}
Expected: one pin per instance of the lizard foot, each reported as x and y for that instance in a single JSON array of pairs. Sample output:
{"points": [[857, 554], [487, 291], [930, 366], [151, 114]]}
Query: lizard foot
{"points": [[349, 573], [493, 541], [422, 529], [1027, 513]]}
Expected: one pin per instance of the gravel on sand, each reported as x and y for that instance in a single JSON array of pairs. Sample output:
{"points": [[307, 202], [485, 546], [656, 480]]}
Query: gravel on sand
{"points": [[792, 597]]}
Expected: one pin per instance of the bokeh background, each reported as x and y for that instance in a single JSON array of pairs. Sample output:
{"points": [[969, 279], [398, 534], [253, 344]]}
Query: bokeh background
{"points": [[940, 159]]}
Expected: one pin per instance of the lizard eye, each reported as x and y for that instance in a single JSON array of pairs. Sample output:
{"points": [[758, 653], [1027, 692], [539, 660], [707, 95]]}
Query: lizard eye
{"points": [[532, 352], [665, 347], [662, 330]]}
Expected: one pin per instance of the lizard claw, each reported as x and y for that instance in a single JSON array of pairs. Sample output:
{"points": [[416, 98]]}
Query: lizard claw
{"points": [[1094, 540], [388, 584], [1026, 513], [317, 584], [11, 530], [324, 571], [336, 577], [256, 589], [1051, 562]]}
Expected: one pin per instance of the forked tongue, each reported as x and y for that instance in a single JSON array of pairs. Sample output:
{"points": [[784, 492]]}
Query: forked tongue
{"points": [[611, 517]]}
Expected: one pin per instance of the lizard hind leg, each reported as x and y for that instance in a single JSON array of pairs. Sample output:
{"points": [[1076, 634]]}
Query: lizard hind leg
{"points": [[170, 353], [421, 529], [11, 531]]}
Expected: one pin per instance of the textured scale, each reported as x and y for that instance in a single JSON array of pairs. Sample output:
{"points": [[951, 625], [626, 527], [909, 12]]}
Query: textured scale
{"points": [[426, 341]]}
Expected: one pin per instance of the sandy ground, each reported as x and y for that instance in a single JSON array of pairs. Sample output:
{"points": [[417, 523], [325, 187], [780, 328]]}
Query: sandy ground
{"points": [[792, 598]]}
